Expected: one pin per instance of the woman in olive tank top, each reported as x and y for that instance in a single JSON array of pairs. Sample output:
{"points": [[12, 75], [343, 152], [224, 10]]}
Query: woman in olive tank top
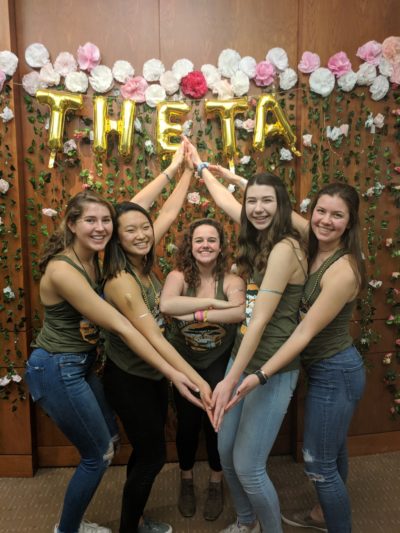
{"points": [[336, 374]]}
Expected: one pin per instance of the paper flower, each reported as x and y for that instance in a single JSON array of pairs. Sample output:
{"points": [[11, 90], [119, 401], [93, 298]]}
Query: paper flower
{"points": [[211, 74], [366, 74], [154, 94], [223, 89], [4, 186], [387, 358], [285, 154], [333, 133], [379, 87], [9, 293], [391, 49], [187, 128], [193, 198], [169, 82], [265, 73], [152, 70], [309, 62], [134, 89], [49, 76], [228, 62], [88, 57], [65, 63], [248, 65], [8, 62], [194, 84], [322, 81], [395, 76], [248, 124], [31, 83], [304, 205], [231, 188], [339, 64], [149, 147], [37, 55], [287, 79], [278, 57], [379, 120], [7, 114], [77, 82], [370, 52], [48, 212], [101, 79], [385, 67], [388, 242], [240, 83], [375, 284], [181, 68], [122, 70], [69, 146], [347, 81], [3, 78], [245, 160], [307, 139], [138, 125]]}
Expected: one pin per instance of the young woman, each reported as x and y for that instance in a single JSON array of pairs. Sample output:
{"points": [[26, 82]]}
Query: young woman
{"points": [[137, 392], [206, 302], [60, 371], [335, 370]]}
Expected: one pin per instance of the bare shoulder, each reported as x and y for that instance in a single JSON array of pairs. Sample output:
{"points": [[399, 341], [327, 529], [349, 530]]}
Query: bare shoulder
{"points": [[231, 279], [342, 273], [175, 275]]}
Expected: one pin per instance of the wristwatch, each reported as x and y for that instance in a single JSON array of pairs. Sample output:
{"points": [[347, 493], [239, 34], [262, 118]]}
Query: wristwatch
{"points": [[262, 376], [200, 167]]}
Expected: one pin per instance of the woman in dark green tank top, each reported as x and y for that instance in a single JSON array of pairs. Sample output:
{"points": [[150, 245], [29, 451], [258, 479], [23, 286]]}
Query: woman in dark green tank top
{"points": [[206, 302], [336, 374]]}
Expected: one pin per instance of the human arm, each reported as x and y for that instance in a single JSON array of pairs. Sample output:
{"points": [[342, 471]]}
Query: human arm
{"points": [[229, 176]]}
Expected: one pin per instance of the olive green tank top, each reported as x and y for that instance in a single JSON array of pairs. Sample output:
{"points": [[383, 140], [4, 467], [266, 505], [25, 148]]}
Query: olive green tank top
{"points": [[119, 353], [64, 328], [201, 343], [335, 337]]}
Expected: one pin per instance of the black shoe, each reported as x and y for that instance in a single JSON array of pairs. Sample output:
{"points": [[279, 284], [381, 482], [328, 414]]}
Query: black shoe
{"points": [[214, 502], [187, 500]]}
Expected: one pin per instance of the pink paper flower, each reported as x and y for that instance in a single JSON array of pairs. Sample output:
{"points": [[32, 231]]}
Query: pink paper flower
{"points": [[370, 52], [396, 112], [344, 128], [249, 124], [397, 169], [395, 77], [339, 64], [194, 84], [3, 78], [391, 49], [88, 56], [48, 212], [193, 198], [134, 89], [309, 62], [265, 73]]}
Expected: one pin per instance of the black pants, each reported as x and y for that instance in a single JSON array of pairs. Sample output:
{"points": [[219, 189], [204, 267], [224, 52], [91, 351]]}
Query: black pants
{"points": [[191, 419], [141, 405]]}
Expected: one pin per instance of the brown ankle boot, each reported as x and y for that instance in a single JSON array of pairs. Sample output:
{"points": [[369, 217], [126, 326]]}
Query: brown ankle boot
{"points": [[187, 500], [214, 502]]}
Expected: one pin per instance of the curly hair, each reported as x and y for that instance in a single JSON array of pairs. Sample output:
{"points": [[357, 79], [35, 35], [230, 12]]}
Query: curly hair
{"points": [[186, 263], [254, 246]]}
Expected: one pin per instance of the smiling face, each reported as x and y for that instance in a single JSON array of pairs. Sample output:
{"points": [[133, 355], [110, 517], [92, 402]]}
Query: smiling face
{"points": [[261, 205], [206, 245], [93, 229], [135, 234], [329, 221]]}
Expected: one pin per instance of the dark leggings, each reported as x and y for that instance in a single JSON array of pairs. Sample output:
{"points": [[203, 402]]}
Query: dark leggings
{"points": [[141, 405], [190, 419]]}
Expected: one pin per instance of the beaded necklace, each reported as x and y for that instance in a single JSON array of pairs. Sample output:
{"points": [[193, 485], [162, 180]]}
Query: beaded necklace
{"points": [[143, 288]]}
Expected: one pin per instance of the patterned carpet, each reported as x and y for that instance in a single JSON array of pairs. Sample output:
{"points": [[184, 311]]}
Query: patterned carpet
{"points": [[32, 505]]}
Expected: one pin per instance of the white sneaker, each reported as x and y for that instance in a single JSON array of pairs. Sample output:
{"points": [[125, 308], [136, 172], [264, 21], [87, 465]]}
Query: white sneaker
{"points": [[241, 528], [90, 527], [151, 526]]}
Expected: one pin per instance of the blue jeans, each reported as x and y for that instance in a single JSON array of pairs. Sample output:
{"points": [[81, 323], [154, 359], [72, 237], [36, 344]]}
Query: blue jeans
{"points": [[245, 439], [334, 388], [67, 389]]}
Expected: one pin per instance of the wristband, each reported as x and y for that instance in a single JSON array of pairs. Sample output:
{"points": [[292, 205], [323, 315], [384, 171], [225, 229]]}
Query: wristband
{"points": [[200, 167], [262, 376], [205, 314], [166, 175]]}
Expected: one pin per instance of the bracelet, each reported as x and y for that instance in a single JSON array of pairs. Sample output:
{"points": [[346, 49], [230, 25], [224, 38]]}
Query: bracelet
{"points": [[200, 167], [199, 316], [262, 376], [167, 175], [205, 314]]}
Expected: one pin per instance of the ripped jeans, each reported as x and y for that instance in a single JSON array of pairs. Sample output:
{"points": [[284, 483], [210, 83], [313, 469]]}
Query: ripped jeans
{"points": [[67, 389], [334, 388]]}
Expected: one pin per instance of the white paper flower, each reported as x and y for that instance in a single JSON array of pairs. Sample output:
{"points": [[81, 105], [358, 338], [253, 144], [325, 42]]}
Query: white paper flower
{"points": [[9, 293], [169, 82], [379, 120], [4, 186], [369, 123], [69, 146], [77, 82], [37, 55], [379, 87], [187, 128], [228, 62], [7, 114], [366, 74], [304, 205], [193, 198], [240, 83], [8, 62], [149, 147], [285, 154], [101, 79], [138, 125], [223, 89], [238, 123], [49, 76], [4, 381], [65, 63], [211, 74], [154, 94], [385, 67], [31, 83], [248, 65], [245, 160], [347, 81], [48, 212], [333, 133], [152, 70], [375, 283], [122, 70], [287, 79], [322, 81], [278, 57], [181, 68], [16, 377], [231, 188], [307, 139]]}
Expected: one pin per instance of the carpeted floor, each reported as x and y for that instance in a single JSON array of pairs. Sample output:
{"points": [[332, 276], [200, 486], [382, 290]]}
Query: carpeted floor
{"points": [[32, 505]]}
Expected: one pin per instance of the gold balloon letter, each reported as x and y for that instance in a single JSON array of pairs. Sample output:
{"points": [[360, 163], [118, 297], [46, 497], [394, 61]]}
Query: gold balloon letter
{"points": [[226, 110], [59, 103], [168, 126], [262, 130], [102, 126]]}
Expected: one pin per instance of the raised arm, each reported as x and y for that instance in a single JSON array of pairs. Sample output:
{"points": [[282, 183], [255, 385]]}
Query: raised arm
{"points": [[229, 176]]}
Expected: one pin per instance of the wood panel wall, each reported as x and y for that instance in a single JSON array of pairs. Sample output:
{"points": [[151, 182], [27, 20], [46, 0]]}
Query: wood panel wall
{"points": [[171, 29]]}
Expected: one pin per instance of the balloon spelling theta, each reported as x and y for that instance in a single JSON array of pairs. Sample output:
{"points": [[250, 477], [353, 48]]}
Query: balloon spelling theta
{"points": [[59, 103], [168, 116], [226, 110], [281, 126], [103, 125]]}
